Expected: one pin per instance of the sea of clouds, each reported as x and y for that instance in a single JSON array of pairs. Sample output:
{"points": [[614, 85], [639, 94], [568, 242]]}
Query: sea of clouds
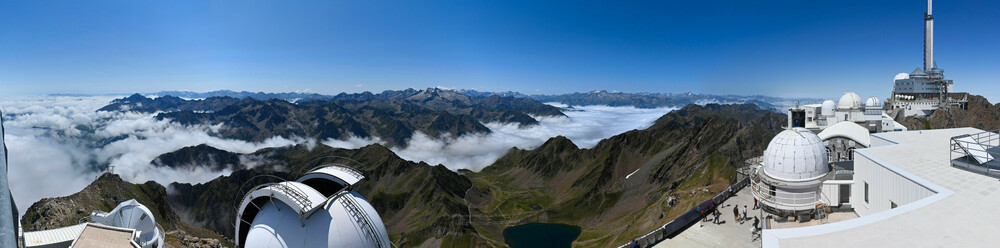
{"points": [[58, 145], [584, 125]]}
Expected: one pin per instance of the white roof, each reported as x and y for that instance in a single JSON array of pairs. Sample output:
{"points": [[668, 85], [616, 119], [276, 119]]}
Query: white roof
{"points": [[959, 214], [847, 130], [796, 154], [53, 236]]}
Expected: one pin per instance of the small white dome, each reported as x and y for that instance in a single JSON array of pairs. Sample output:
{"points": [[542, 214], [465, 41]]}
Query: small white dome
{"points": [[796, 154], [873, 102], [849, 101], [828, 107], [902, 75]]}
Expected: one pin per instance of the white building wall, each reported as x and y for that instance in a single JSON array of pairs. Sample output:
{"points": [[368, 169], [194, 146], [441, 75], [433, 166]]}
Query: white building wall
{"points": [[831, 192], [884, 187]]}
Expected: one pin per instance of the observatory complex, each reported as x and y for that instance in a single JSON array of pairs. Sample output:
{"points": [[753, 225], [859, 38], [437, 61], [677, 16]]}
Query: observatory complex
{"points": [[921, 92]]}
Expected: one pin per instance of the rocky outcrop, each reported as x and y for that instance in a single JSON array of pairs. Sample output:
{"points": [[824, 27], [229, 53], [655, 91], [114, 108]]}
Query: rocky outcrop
{"points": [[980, 113]]}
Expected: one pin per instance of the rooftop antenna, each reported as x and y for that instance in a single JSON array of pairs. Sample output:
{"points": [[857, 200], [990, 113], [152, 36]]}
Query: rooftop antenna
{"points": [[929, 39]]}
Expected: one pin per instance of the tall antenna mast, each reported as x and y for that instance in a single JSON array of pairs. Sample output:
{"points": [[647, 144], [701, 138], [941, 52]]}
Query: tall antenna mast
{"points": [[928, 38]]}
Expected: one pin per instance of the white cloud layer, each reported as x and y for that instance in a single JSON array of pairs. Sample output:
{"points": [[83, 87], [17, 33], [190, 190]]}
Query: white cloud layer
{"points": [[584, 125], [58, 145]]}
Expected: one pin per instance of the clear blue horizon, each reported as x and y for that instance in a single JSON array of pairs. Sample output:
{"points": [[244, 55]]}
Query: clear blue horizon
{"points": [[776, 48]]}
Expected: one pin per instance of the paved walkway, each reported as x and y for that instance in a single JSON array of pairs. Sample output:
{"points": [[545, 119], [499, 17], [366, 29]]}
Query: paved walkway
{"points": [[727, 234]]}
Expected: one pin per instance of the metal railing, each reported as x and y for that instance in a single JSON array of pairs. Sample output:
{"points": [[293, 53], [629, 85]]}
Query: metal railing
{"points": [[976, 152], [336, 166], [761, 189], [305, 170], [362, 218], [293, 192]]}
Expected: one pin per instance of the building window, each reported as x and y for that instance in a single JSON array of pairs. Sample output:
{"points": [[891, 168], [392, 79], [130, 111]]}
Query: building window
{"points": [[866, 192]]}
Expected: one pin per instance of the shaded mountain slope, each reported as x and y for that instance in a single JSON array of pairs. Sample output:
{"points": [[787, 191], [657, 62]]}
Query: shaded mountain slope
{"points": [[200, 156]]}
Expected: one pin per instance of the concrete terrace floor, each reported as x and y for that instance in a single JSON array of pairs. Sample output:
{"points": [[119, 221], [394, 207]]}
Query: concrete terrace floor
{"points": [[727, 234]]}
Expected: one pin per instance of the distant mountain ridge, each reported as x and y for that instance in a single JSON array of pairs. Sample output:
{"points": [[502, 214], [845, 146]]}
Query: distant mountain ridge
{"points": [[597, 97], [393, 117]]}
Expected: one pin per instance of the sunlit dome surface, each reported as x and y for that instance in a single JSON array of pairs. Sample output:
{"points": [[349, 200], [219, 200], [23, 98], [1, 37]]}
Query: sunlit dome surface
{"points": [[873, 102], [795, 154], [850, 100], [828, 107]]}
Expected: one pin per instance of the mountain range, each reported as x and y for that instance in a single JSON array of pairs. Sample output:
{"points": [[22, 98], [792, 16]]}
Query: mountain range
{"points": [[598, 97], [392, 117]]}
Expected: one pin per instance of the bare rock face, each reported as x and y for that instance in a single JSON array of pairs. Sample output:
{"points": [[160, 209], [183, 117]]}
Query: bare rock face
{"points": [[185, 240], [55, 214]]}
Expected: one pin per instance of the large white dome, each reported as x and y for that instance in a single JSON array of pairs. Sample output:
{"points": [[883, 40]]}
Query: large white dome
{"points": [[828, 107], [849, 101], [796, 154]]}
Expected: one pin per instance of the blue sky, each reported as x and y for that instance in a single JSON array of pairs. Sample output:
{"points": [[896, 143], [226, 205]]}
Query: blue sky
{"points": [[780, 48]]}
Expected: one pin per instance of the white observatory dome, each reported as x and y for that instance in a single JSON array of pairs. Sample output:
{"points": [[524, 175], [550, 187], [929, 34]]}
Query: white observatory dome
{"points": [[849, 101], [321, 209], [902, 75], [873, 102], [342, 222], [796, 155], [828, 107], [131, 214]]}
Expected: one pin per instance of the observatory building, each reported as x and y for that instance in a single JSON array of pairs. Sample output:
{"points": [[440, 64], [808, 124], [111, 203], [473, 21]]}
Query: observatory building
{"points": [[845, 125], [869, 114], [921, 92], [320, 209], [789, 180]]}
